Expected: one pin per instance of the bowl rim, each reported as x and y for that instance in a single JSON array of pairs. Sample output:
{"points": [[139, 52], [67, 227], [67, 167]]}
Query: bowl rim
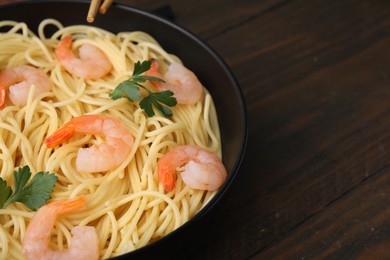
{"points": [[238, 92]]}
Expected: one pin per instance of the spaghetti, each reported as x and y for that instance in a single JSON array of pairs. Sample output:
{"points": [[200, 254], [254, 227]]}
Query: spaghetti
{"points": [[127, 205]]}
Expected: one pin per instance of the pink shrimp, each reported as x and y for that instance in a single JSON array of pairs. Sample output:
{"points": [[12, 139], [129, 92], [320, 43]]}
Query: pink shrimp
{"points": [[84, 243], [92, 64], [98, 157], [200, 169], [182, 82], [19, 80]]}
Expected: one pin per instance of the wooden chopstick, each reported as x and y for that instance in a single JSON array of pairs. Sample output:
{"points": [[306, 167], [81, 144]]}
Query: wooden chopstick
{"points": [[95, 6], [104, 7], [93, 9]]}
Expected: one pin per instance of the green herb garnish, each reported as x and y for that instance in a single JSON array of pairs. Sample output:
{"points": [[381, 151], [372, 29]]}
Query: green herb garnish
{"points": [[34, 195], [131, 89]]}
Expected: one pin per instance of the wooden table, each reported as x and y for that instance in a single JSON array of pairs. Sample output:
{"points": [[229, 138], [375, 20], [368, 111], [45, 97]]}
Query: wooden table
{"points": [[315, 182]]}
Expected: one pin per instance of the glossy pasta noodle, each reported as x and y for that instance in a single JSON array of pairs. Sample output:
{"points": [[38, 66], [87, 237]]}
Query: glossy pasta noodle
{"points": [[127, 205]]}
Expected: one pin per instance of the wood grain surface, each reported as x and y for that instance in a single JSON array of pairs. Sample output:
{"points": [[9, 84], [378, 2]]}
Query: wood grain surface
{"points": [[315, 182]]}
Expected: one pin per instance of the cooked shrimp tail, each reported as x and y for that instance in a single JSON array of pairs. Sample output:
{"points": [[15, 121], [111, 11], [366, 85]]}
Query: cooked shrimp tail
{"points": [[200, 169], [2, 97], [63, 50], [166, 176], [69, 205], [155, 71], [84, 243], [98, 157], [60, 136]]}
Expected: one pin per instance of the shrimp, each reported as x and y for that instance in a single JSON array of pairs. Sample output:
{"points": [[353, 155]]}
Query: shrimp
{"points": [[84, 244], [98, 157], [200, 169], [19, 80], [92, 64], [182, 82]]}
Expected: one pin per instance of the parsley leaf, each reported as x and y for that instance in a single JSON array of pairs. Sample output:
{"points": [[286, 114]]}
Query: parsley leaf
{"points": [[5, 192], [131, 89], [146, 105], [165, 97], [128, 89], [141, 67], [34, 195]]}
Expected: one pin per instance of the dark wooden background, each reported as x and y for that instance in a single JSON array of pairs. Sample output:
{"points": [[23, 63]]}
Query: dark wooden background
{"points": [[315, 182]]}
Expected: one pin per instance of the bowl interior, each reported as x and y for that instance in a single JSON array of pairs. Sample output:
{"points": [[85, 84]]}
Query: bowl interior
{"points": [[196, 55]]}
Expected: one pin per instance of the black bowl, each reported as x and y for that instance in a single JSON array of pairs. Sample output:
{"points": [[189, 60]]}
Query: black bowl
{"points": [[196, 55]]}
